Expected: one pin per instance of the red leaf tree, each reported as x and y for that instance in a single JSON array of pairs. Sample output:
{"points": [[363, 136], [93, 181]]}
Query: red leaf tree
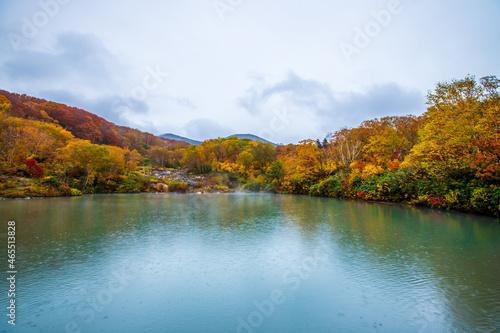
{"points": [[34, 169]]}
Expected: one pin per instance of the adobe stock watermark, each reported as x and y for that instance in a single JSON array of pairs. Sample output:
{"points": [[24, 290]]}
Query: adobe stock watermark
{"points": [[372, 29], [222, 7], [292, 279], [86, 311], [138, 94], [277, 124], [31, 26]]}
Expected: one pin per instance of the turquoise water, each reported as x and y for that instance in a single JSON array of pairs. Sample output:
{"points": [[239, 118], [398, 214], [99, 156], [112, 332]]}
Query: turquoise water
{"points": [[249, 263]]}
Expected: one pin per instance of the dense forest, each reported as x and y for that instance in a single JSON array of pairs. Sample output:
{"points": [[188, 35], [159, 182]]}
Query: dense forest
{"points": [[446, 158]]}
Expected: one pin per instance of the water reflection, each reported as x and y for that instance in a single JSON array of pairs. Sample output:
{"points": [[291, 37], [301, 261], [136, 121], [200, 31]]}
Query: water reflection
{"points": [[202, 263]]}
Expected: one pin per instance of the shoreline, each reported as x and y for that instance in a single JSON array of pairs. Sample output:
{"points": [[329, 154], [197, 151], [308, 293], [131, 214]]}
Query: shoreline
{"points": [[436, 209]]}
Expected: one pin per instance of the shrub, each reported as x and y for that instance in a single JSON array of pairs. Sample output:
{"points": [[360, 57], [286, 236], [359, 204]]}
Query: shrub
{"points": [[65, 189], [254, 186], [420, 200], [130, 185], [330, 187], [34, 169], [385, 186], [436, 202], [297, 184], [315, 190], [14, 194], [8, 184], [486, 200], [21, 171], [221, 188], [175, 186], [74, 192], [11, 171], [453, 199], [273, 188], [52, 181], [361, 194]]}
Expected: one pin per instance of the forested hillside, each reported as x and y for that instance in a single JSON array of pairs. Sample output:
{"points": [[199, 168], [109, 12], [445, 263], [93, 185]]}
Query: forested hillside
{"points": [[446, 158], [66, 148], [82, 124]]}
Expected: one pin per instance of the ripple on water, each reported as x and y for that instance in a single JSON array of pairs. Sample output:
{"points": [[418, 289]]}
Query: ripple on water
{"points": [[196, 265]]}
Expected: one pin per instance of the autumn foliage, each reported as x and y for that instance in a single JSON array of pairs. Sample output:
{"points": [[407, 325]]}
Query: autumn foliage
{"points": [[448, 158], [34, 169]]}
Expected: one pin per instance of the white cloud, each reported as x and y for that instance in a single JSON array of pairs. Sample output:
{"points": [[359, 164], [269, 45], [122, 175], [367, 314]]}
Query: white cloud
{"points": [[315, 109], [204, 128], [95, 53]]}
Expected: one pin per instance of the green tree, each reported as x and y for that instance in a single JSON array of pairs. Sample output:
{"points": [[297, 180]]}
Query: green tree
{"points": [[275, 172]]}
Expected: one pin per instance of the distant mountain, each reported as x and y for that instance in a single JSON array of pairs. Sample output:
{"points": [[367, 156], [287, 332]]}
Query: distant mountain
{"points": [[171, 136], [252, 137]]}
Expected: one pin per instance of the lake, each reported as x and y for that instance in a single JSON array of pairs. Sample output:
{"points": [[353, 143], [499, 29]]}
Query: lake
{"points": [[249, 263]]}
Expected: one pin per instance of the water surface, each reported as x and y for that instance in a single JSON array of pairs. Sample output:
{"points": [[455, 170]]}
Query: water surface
{"points": [[250, 263]]}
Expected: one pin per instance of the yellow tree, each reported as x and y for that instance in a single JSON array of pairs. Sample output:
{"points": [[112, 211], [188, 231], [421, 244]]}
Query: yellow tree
{"points": [[5, 104], [133, 158], [263, 154], [384, 147], [13, 142], [245, 159], [302, 166], [198, 159], [159, 154], [114, 162], [40, 143], [455, 119], [85, 155]]}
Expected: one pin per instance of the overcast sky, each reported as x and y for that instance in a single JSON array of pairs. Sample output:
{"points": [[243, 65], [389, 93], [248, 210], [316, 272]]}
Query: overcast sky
{"points": [[286, 70]]}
